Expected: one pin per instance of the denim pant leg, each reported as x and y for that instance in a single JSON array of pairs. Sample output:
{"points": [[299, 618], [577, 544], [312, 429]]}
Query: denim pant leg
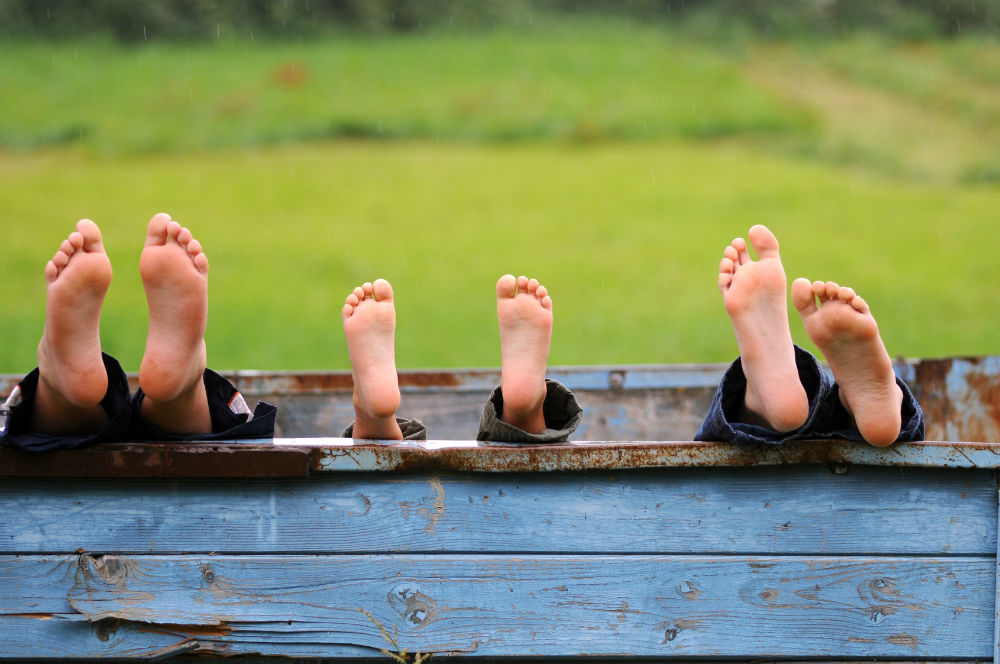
{"points": [[561, 410], [838, 423], [413, 429], [231, 417], [722, 425], [17, 431]]}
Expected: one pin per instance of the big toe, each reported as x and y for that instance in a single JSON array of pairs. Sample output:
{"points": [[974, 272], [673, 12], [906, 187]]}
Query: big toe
{"points": [[803, 298], [507, 286], [91, 235], [382, 290], [764, 242], [156, 232]]}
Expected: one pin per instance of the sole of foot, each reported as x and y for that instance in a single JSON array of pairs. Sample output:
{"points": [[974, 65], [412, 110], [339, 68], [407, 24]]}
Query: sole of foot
{"points": [[369, 315], [755, 297], [841, 325], [174, 273], [524, 312], [69, 353]]}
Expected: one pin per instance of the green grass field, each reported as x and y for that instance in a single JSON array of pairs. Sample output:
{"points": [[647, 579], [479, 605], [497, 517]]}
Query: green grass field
{"points": [[613, 164]]}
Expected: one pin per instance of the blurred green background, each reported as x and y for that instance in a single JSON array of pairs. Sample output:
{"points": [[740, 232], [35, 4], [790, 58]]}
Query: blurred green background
{"points": [[609, 149]]}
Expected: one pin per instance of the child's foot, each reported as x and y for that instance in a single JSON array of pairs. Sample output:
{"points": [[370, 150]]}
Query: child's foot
{"points": [[175, 275], [370, 327], [524, 310], [73, 380], [755, 298], [843, 328]]}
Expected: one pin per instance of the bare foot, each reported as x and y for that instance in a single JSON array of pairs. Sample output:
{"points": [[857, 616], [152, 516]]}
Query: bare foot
{"points": [[73, 380], [755, 298], [524, 310], [175, 275], [843, 328], [370, 327]]}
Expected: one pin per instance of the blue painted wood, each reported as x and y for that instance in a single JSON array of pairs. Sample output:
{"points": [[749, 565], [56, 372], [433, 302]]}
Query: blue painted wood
{"points": [[805, 509], [996, 597], [483, 605]]}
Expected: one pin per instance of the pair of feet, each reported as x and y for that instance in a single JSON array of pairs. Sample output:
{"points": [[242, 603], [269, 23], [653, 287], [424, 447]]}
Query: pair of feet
{"points": [[524, 312], [72, 377], [837, 320]]}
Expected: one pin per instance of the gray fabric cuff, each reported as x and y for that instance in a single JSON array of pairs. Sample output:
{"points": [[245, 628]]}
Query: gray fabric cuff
{"points": [[412, 429], [561, 410]]}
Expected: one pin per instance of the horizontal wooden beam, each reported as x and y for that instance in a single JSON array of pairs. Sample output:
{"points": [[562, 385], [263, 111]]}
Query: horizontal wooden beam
{"points": [[480, 605], [799, 509]]}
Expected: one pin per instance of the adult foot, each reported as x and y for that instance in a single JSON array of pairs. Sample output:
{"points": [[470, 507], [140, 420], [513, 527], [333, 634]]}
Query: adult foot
{"points": [[753, 292], [72, 377], [174, 273], [524, 311], [841, 325], [370, 327]]}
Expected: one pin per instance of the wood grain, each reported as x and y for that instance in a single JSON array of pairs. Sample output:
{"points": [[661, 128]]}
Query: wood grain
{"points": [[800, 509]]}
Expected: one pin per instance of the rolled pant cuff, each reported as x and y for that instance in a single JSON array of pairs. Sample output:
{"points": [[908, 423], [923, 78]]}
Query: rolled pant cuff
{"points": [[18, 431], [722, 425], [231, 417], [560, 409], [413, 429]]}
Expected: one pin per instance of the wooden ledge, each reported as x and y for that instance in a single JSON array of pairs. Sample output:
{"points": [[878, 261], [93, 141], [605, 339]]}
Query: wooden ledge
{"points": [[302, 457]]}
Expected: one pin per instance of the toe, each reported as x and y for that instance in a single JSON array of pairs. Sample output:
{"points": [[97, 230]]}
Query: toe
{"points": [[173, 230], [184, 235], [507, 286], [541, 292], [803, 297], [741, 249], [860, 305], [367, 288], [547, 303], [346, 311], [382, 290], [764, 242], [156, 232], [532, 285], [724, 281], [845, 293]]}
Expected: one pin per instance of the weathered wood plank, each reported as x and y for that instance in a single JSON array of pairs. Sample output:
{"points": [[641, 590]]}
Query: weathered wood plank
{"points": [[800, 509], [480, 605]]}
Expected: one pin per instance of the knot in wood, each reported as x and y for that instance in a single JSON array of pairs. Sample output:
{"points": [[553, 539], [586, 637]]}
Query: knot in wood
{"points": [[414, 606]]}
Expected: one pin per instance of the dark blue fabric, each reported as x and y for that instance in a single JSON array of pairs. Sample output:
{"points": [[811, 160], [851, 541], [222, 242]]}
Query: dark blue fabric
{"points": [[827, 417], [126, 423]]}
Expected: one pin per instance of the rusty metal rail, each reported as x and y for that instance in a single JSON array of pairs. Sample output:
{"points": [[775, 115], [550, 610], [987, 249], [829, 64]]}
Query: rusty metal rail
{"points": [[302, 457]]}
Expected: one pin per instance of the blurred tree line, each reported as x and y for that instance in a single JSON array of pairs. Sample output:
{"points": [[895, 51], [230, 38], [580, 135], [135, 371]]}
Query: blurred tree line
{"points": [[135, 20]]}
